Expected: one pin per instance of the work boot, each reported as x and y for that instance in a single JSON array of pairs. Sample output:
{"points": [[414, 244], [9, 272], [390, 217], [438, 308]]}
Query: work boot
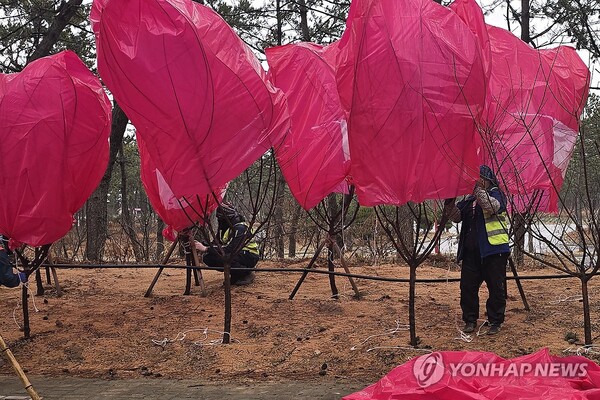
{"points": [[244, 280], [469, 327], [494, 329]]}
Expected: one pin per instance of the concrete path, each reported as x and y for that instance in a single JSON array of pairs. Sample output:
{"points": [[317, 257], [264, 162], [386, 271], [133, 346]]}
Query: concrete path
{"points": [[160, 389]]}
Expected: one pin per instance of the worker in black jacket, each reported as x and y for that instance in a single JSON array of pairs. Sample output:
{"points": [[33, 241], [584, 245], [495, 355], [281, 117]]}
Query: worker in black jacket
{"points": [[234, 233], [8, 278]]}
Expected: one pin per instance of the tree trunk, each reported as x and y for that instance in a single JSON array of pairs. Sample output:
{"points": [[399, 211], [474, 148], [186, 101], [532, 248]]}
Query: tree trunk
{"points": [[126, 219], [227, 284], [587, 322], [406, 220], [160, 240], [293, 231], [412, 291], [96, 207], [67, 11], [304, 21], [147, 216], [525, 16], [279, 18], [331, 267], [519, 229], [278, 231], [24, 301]]}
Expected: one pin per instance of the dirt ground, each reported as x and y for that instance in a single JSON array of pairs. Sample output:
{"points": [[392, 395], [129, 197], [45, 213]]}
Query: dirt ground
{"points": [[103, 326]]}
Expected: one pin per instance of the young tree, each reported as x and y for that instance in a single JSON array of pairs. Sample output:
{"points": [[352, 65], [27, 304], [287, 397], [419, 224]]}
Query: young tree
{"points": [[412, 230]]}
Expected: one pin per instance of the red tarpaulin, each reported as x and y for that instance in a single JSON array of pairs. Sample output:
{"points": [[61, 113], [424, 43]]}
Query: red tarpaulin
{"points": [[534, 101], [195, 92], [314, 157], [412, 78], [54, 129], [452, 375]]}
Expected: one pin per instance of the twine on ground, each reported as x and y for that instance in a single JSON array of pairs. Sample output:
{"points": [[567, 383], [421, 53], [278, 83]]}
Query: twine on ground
{"points": [[202, 342], [588, 349], [399, 327], [566, 299]]}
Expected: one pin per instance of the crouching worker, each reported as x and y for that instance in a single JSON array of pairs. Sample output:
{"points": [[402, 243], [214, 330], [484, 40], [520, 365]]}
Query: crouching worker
{"points": [[233, 232], [7, 277]]}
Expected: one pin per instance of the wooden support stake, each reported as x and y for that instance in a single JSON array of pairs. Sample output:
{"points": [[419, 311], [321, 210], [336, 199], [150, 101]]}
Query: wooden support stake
{"points": [[13, 361], [343, 262], [309, 266], [56, 284], [518, 281], [198, 273], [51, 269], [160, 270]]}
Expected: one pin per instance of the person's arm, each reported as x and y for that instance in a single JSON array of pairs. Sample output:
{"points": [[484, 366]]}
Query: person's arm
{"points": [[452, 211], [488, 203], [200, 247]]}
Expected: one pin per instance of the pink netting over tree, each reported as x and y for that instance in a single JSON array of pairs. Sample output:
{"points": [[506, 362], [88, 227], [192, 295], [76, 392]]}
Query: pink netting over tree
{"points": [[534, 101], [195, 92], [411, 76], [315, 156], [54, 128]]}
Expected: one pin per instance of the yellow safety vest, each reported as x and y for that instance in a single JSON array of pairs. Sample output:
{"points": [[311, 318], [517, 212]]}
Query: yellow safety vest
{"points": [[251, 247], [496, 227]]}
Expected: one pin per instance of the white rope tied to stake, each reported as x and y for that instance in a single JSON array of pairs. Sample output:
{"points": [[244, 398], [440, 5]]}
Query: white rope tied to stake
{"points": [[566, 299], [399, 327], [584, 350], [588, 349], [202, 342]]}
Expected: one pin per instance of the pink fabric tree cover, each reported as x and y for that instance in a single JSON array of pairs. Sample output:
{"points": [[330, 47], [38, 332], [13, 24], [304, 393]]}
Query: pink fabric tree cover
{"points": [[54, 128], [412, 79], [175, 212], [195, 92], [535, 99], [430, 377], [314, 158]]}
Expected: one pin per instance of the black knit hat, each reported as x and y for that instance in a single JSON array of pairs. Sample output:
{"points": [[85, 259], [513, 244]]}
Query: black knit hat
{"points": [[227, 211], [486, 173]]}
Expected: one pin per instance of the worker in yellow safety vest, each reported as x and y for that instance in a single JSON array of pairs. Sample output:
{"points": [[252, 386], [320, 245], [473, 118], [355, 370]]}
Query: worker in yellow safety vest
{"points": [[483, 248], [235, 239]]}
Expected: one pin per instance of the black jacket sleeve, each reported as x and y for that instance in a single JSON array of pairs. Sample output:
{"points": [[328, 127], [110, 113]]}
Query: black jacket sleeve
{"points": [[237, 238]]}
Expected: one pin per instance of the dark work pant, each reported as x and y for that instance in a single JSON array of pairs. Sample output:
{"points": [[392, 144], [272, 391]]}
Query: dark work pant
{"points": [[474, 272], [244, 259], [7, 277]]}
